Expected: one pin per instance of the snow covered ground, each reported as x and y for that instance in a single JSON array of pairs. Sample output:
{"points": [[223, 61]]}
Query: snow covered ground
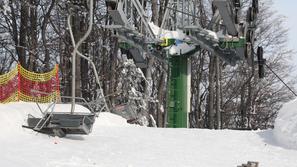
{"points": [[285, 130], [114, 143]]}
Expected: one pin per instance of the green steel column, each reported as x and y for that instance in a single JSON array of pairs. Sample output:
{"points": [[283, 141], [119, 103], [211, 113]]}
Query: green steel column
{"points": [[178, 92]]}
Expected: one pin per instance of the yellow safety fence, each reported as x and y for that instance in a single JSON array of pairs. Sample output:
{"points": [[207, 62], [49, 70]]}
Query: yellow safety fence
{"points": [[22, 85], [8, 76]]}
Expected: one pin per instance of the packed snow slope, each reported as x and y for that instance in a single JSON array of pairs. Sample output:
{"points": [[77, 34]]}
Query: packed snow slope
{"points": [[114, 143], [285, 130]]}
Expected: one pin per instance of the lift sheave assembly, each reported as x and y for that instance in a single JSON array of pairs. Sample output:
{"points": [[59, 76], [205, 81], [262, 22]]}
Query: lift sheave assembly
{"points": [[180, 36]]}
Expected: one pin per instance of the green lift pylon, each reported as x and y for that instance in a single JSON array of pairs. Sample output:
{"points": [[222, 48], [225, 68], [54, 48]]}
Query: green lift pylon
{"points": [[179, 92], [232, 43]]}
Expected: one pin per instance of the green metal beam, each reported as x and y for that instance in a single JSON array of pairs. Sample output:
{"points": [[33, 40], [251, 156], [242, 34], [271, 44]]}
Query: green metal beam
{"points": [[232, 43], [177, 102]]}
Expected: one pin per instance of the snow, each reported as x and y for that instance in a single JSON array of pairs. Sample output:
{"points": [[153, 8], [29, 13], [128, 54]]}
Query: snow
{"points": [[5, 6], [181, 49], [285, 130], [213, 34], [114, 143], [178, 34], [177, 49]]}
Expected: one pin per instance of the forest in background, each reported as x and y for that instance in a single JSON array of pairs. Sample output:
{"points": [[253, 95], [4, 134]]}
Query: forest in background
{"points": [[35, 34]]}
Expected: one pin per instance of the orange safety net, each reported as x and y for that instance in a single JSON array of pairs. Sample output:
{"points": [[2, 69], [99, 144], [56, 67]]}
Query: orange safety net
{"points": [[23, 85]]}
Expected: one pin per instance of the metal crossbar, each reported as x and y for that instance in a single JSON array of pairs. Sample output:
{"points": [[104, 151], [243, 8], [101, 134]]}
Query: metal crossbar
{"points": [[52, 106]]}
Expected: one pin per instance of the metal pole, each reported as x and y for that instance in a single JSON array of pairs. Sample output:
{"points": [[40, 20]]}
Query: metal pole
{"points": [[86, 58], [75, 51], [178, 96], [218, 93]]}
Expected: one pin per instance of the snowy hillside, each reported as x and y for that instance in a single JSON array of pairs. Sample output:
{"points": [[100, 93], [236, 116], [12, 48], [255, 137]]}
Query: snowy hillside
{"points": [[114, 143], [285, 130]]}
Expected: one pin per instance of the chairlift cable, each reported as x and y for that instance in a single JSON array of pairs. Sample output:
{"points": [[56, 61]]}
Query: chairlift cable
{"points": [[291, 90]]}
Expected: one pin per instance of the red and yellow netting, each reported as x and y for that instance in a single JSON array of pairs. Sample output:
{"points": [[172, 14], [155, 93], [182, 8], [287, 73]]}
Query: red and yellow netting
{"points": [[22, 85]]}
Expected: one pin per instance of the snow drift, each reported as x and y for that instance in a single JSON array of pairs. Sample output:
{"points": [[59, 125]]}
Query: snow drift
{"points": [[285, 129], [114, 143], [14, 115]]}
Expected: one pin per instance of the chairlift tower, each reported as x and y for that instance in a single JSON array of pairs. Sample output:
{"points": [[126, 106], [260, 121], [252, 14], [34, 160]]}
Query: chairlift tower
{"points": [[145, 39], [234, 42]]}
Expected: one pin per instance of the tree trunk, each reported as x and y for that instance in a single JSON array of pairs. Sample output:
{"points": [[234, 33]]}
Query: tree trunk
{"points": [[84, 66], [250, 95], [199, 113], [162, 9], [210, 105], [112, 72], [14, 24], [21, 48], [77, 27], [242, 106], [218, 93], [160, 97], [149, 83], [33, 37], [43, 35], [155, 11]]}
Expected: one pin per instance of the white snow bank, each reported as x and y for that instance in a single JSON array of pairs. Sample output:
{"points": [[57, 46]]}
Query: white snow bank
{"points": [[285, 129], [14, 115], [111, 120], [111, 145]]}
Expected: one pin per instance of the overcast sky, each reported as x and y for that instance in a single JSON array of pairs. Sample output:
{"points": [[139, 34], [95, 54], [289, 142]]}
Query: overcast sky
{"points": [[288, 8]]}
